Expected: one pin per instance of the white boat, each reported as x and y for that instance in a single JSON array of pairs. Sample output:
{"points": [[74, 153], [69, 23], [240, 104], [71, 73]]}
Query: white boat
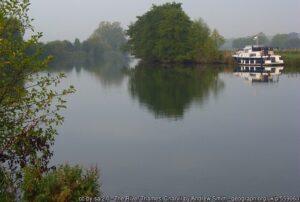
{"points": [[257, 55], [259, 73]]}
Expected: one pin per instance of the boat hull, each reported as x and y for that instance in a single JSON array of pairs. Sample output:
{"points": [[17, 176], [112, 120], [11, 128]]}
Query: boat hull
{"points": [[257, 61], [262, 64]]}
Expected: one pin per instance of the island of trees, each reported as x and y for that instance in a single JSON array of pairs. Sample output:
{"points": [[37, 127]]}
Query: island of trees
{"points": [[166, 34]]}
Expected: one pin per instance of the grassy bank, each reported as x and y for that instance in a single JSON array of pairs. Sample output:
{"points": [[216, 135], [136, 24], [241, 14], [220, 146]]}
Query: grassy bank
{"points": [[291, 58]]}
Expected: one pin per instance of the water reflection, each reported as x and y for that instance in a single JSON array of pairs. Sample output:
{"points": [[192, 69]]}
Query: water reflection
{"points": [[168, 91], [109, 70], [216, 148], [268, 74]]}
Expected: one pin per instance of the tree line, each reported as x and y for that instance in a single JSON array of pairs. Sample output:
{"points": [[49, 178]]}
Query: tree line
{"points": [[164, 34], [280, 41], [108, 39]]}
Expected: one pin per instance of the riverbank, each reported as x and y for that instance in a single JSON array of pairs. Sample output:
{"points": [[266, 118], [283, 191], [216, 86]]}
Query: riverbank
{"points": [[291, 57]]}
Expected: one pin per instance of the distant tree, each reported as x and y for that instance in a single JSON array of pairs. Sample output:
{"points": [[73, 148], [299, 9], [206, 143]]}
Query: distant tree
{"points": [[64, 53], [217, 38], [250, 40], [263, 39], [293, 43], [77, 44], [110, 35], [286, 41]]}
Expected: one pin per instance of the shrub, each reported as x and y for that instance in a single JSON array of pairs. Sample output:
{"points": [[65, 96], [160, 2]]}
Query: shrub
{"points": [[66, 183]]}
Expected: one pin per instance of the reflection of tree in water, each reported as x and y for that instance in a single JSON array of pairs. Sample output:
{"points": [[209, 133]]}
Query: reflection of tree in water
{"points": [[168, 92], [292, 70], [109, 69]]}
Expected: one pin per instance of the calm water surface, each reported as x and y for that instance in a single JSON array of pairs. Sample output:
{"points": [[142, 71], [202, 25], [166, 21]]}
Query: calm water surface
{"points": [[183, 131]]}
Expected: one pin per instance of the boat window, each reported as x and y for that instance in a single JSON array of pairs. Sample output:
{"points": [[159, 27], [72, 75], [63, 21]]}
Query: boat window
{"points": [[256, 48], [259, 69]]}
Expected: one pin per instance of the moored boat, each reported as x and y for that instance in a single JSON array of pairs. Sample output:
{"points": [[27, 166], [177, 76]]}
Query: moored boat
{"points": [[257, 55]]}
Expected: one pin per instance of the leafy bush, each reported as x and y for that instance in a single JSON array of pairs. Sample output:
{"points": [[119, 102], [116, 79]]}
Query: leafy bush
{"points": [[66, 183], [7, 193]]}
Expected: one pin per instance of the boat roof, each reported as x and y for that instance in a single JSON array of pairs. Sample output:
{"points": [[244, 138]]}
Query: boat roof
{"points": [[257, 48]]}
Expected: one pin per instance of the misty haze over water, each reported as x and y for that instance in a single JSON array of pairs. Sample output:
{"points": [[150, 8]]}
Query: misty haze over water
{"points": [[69, 19]]}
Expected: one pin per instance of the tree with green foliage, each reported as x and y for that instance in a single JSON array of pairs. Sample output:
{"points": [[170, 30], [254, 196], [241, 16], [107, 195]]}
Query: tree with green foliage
{"points": [[161, 34], [285, 41], [279, 40], [66, 183], [166, 34], [64, 53], [217, 38], [109, 37], [77, 44], [205, 44], [199, 37], [250, 40], [30, 106]]}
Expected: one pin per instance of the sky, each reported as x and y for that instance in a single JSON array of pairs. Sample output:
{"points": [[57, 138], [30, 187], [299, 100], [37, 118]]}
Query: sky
{"points": [[70, 19]]}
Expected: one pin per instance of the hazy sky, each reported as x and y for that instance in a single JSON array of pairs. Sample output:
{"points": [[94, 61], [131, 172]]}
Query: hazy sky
{"points": [[68, 19]]}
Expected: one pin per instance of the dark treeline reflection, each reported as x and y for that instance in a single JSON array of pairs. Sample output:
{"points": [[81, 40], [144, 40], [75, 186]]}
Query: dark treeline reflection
{"points": [[168, 91], [110, 70], [292, 70]]}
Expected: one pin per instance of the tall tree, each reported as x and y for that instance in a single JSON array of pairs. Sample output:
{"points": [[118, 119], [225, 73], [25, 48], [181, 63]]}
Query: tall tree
{"points": [[167, 34], [29, 108], [217, 38], [110, 34], [161, 34]]}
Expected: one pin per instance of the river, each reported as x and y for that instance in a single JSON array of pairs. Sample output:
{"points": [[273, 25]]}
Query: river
{"points": [[203, 130]]}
